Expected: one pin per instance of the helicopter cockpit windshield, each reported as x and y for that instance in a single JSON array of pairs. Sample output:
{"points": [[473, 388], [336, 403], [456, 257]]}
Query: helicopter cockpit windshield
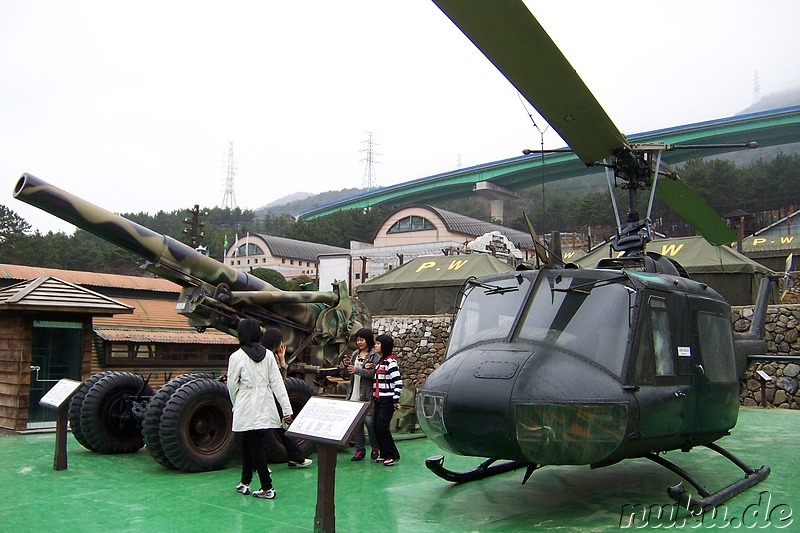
{"points": [[586, 315], [488, 311]]}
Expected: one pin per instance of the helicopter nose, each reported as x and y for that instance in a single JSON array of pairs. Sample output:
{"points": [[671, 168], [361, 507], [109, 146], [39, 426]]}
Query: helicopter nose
{"points": [[534, 404], [465, 406]]}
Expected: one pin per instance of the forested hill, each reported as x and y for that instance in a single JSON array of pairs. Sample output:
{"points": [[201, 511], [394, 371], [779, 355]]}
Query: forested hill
{"points": [[307, 202], [766, 188]]}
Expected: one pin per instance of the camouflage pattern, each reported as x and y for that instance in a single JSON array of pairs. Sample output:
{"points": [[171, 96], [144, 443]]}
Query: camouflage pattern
{"points": [[317, 325], [172, 259]]}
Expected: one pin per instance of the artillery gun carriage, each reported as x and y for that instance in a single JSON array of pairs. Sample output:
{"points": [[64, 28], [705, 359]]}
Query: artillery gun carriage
{"points": [[186, 423]]}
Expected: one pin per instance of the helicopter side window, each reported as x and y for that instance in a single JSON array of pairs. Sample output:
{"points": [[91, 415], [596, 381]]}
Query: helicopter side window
{"points": [[716, 347], [662, 338], [654, 357]]}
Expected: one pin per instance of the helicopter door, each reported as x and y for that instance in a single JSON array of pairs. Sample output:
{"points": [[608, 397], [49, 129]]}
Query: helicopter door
{"points": [[711, 364], [661, 394]]}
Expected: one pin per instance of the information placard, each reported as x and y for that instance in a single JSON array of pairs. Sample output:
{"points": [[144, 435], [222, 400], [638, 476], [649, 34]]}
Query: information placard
{"points": [[60, 392], [328, 420]]}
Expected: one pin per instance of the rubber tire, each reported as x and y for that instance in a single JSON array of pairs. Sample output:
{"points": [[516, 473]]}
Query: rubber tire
{"points": [[74, 412], [195, 428], [107, 422], [299, 393], [154, 411]]}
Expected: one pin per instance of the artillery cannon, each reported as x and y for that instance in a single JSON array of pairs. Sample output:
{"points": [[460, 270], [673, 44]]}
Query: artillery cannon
{"points": [[186, 423]]}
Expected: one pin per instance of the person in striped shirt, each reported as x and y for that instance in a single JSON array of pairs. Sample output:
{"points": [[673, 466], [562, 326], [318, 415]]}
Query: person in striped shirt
{"points": [[386, 398]]}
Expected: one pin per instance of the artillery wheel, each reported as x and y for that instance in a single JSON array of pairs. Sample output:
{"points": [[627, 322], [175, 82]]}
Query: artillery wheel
{"points": [[299, 393], [74, 413], [153, 412], [195, 428], [106, 417]]}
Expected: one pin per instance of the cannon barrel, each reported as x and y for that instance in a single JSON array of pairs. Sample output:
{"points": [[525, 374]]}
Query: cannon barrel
{"points": [[317, 325], [173, 259]]}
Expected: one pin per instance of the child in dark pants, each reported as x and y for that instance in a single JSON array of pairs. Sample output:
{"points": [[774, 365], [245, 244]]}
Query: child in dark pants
{"points": [[388, 386], [273, 341]]}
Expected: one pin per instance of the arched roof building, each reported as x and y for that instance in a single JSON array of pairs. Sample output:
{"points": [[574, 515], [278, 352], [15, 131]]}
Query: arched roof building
{"points": [[419, 230], [290, 257]]}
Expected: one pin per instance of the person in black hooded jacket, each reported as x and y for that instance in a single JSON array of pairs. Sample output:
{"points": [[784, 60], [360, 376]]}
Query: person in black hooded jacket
{"points": [[254, 385]]}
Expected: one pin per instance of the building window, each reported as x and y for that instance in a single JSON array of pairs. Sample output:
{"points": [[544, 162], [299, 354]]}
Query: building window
{"points": [[411, 223], [176, 355], [283, 261], [132, 351], [249, 249]]}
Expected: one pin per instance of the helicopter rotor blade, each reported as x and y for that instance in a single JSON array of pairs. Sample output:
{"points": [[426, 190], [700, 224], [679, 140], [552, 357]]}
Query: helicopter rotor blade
{"points": [[692, 208], [514, 41]]}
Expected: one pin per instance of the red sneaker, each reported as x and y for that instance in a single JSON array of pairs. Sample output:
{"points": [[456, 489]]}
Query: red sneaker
{"points": [[359, 455]]}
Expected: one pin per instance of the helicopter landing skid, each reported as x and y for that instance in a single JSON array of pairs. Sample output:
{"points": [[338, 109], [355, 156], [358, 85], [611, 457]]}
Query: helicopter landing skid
{"points": [[485, 469], [708, 499]]}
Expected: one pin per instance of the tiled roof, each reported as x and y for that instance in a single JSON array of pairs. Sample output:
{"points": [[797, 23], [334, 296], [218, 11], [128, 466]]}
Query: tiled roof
{"points": [[146, 319], [162, 336], [155, 321], [47, 293], [89, 279], [292, 249]]}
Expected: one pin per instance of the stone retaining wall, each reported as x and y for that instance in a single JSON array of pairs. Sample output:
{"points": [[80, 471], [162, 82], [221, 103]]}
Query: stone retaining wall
{"points": [[420, 342], [782, 333]]}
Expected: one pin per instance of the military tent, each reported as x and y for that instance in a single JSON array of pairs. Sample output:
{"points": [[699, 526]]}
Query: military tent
{"points": [[426, 285], [735, 276]]}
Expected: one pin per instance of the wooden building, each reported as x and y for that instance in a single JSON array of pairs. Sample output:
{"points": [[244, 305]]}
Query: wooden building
{"points": [[58, 324]]}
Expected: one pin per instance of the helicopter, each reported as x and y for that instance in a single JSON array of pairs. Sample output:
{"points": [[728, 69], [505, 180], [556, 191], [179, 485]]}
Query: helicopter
{"points": [[568, 366]]}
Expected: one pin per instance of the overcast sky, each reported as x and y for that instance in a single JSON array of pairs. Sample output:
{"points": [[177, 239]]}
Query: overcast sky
{"points": [[131, 105]]}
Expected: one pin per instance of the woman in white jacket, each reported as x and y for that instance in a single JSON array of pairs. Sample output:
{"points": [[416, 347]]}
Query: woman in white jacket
{"points": [[254, 383]]}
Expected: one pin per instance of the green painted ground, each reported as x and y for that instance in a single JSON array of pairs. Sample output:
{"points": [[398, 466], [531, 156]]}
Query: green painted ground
{"points": [[134, 493]]}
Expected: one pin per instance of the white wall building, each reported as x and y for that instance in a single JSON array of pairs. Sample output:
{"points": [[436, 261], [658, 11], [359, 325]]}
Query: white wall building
{"points": [[290, 257], [405, 234]]}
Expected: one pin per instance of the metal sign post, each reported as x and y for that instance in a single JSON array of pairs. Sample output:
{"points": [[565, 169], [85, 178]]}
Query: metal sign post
{"points": [[58, 398], [330, 423]]}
